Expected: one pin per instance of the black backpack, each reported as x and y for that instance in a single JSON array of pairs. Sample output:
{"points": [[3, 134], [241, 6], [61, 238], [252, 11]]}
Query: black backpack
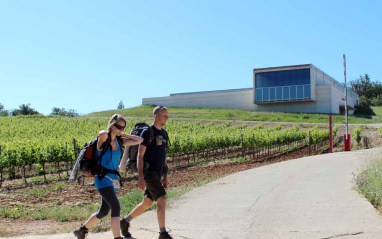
{"points": [[133, 150], [89, 164]]}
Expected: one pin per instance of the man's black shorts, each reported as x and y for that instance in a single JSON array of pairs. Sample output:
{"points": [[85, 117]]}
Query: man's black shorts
{"points": [[154, 187]]}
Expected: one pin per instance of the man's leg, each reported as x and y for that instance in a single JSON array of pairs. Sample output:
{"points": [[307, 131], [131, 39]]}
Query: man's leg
{"points": [[161, 212], [138, 210]]}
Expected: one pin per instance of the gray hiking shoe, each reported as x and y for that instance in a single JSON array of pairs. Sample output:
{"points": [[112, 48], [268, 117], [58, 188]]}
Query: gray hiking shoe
{"points": [[81, 232], [125, 228], [164, 235]]}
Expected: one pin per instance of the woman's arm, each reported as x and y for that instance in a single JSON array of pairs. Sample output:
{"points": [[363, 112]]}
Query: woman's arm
{"points": [[129, 140], [102, 137]]}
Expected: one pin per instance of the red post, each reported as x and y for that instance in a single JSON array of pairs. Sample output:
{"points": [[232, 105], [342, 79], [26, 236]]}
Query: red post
{"points": [[330, 134], [347, 143]]}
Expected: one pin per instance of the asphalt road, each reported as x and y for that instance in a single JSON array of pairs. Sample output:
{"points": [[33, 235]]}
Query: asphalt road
{"points": [[306, 198]]}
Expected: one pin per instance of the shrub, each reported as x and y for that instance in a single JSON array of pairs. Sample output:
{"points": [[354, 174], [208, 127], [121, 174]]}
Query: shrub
{"points": [[357, 134], [363, 110], [369, 182]]}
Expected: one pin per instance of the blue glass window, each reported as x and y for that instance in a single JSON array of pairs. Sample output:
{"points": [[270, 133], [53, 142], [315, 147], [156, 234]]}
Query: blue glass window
{"points": [[272, 94], [293, 92], [279, 93], [285, 93], [283, 78], [300, 91], [307, 93], [259, 95], [266, 94]]}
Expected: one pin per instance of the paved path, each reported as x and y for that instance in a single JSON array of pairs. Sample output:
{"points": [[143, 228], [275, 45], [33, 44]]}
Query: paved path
{"points": [[307, 198]]}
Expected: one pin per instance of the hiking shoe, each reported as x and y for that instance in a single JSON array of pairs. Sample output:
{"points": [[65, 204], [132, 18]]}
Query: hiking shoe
{"points": [[125, 228], [164, 235], [81, 232]]}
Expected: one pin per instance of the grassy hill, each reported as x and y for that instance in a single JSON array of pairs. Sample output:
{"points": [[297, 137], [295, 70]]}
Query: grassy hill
{"points": [[232, 114], [377, 110]]}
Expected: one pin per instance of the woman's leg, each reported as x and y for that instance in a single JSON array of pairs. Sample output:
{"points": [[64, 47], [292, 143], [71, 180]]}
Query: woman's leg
{"points": [[108, 195], [81, 232]]}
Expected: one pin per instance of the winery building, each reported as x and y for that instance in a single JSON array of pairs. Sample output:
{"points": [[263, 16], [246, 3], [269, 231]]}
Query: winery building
{"points": [[298, 88]]}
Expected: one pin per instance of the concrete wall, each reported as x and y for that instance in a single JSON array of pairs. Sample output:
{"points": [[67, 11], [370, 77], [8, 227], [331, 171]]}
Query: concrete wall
{"points": [[326, 92], [243, 99], [231, 99]]}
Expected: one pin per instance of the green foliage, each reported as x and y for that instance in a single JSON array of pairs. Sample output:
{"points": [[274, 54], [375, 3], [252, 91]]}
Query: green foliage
{"points": [[63, 112], [241, 160], [377, 100], [335, 129], [231, 114], [3, 112], [369, 182], [377, 110], [130, 200], [121, 105], [363, 110], [357, 134], [13, 212], [24, 109], [369, 91], [47, 141]]}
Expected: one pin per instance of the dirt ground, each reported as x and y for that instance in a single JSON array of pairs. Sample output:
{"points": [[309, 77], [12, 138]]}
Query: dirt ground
{"points": [[11, 192]]}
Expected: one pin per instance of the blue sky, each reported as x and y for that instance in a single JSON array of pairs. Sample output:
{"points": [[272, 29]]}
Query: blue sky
{"points": [[89, 55]]}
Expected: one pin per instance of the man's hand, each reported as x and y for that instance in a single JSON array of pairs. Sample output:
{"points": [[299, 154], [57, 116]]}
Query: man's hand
{"points": [[141, 183], [165, 183]]}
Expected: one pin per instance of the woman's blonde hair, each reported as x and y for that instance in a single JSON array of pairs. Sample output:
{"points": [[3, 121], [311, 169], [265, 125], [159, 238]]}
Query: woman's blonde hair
{"points": [[114, 119]]}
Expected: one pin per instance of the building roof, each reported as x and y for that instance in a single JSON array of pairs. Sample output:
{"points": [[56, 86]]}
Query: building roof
{"points": [[212, 91], [282, 67]]}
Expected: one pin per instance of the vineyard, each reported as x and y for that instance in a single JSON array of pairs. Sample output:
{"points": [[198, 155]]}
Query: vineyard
{"points": [[39, 145]]}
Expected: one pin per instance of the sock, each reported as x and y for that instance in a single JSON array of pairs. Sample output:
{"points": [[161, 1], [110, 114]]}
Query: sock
{"points": [[128, 218], [162, 229]]}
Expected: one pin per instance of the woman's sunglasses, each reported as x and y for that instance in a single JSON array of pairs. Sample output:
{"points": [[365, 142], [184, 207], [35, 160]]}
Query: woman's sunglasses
{"points": [[119, 127]]}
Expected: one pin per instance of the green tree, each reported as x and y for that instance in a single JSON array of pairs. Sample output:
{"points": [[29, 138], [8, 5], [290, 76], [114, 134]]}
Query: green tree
{"points": [[121, 105], [63, 112], [3, 112], [364, 100], [24, 109], [377, 100], [72, 113], [367, 90], [58, 111]]}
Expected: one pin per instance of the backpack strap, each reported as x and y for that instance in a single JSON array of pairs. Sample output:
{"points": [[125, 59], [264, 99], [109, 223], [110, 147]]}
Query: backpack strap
{"points": [[151, 130], [152, 135], [105, 146], [105, 171], [167, 138]]}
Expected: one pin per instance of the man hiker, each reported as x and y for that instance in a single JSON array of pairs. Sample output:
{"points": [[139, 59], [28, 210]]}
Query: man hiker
{"points": [[153, 151]]}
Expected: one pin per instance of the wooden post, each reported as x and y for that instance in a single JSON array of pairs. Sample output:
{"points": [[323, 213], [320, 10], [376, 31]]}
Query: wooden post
{"points": [[67, 162], [1, 173], [75, 155], [242, 145], [75, 147]]}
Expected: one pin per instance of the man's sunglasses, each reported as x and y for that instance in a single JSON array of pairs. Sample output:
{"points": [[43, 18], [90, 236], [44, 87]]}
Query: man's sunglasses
{"points": [[119, 127]]}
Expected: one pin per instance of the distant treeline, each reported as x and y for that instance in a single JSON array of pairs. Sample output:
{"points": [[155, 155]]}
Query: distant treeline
{"points": [[370, 92], [25, 109]]}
